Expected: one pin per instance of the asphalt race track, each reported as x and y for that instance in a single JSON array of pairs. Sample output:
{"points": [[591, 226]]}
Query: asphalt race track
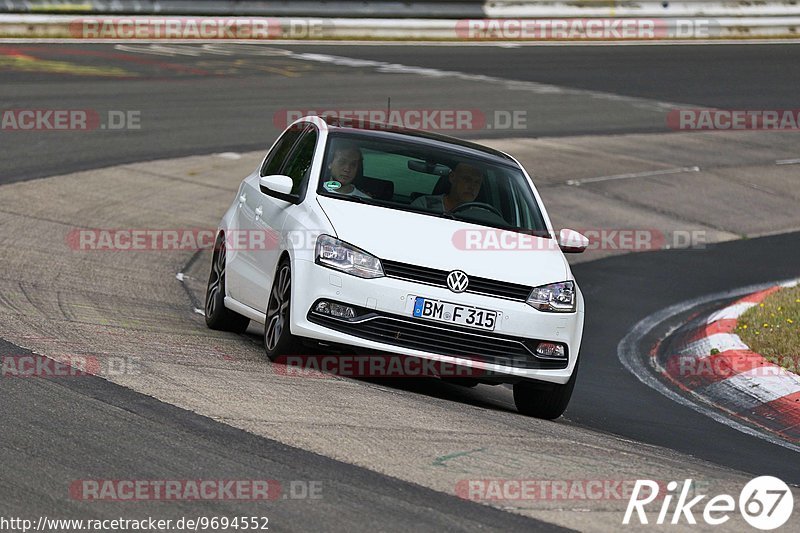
{"points": [[223, 98], [137, 434], [208, 102]]}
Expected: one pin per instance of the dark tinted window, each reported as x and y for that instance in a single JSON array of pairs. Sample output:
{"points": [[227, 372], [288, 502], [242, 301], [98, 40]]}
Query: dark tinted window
{"points": [[298, 166], [278, 154]]}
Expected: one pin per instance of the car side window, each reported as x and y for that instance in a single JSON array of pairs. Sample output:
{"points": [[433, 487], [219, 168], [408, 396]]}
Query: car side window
{"points": [[298, 166], [277, 156]]}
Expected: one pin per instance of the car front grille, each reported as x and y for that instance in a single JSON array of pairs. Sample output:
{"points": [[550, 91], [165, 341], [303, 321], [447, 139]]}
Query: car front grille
{"points": [[438, 278], [442, 339]]}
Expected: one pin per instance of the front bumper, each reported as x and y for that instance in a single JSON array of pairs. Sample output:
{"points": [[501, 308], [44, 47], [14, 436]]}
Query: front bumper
{"points": [[387, 302]]}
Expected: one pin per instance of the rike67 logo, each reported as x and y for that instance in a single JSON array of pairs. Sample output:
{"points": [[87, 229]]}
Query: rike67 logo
{"points": [[765, 503]]}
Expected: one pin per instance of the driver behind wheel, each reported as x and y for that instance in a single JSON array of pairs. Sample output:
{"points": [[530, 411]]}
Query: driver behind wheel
{"points": [[343, 170], [465, 184]]}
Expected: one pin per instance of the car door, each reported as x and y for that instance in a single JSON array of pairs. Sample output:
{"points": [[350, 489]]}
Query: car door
{"points": [[269, 215], [276, 212], [242, 275]]}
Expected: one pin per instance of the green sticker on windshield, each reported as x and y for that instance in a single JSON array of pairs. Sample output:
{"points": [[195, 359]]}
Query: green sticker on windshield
{"points": [[332, 185]]}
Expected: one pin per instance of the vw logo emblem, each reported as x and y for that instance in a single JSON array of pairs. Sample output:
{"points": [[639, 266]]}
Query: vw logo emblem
{"points": [[457, 281]]}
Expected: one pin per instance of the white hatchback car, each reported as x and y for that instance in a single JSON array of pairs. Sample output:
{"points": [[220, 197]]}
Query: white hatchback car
{"points": [[395, 241]]}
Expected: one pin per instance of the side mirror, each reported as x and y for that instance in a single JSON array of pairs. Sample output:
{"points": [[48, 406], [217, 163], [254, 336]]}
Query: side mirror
{"points": [[279, 186], [276, 183], [572, 242]]}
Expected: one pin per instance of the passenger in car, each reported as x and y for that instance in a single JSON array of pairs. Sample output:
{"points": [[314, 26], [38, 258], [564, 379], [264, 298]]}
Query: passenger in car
{"points": [[343, 170], [465, 184]]}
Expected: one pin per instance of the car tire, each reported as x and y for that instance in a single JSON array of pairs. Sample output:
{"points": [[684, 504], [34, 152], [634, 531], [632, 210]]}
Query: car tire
{"points": [[278, 338], [544, 400], [218, 316]]}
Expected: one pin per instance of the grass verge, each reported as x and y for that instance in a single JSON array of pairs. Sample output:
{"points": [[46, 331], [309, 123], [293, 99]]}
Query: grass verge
{"points": [[772, 328]]}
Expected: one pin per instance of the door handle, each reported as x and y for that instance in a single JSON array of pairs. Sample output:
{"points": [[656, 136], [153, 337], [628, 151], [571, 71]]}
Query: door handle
{"points": [[259, 211]]}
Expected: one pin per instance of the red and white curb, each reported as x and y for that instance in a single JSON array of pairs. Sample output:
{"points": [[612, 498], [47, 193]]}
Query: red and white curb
{"points": [[711, 361]]}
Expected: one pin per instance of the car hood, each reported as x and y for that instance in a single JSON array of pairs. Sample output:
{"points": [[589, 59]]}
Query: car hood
{"points": [[423, 240]]}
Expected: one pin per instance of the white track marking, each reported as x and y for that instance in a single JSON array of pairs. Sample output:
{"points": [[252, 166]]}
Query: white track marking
{"points": [[633, 175], [530, 86], [229, 155], [384, 67], [747, 391], [732, 311], [787, 162], [781, 382], [718, 341], [629, 356], [730, 395]]}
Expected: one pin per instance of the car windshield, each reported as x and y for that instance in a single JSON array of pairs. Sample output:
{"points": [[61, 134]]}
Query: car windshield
{"points": [[429, 180]]}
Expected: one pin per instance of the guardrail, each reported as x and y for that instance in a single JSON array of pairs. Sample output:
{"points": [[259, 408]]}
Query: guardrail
{"points": [[293, 8], [447, 9], [395, 20]]}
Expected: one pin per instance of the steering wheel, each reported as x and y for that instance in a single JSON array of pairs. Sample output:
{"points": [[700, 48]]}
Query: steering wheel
{"points": [[479, 205]]}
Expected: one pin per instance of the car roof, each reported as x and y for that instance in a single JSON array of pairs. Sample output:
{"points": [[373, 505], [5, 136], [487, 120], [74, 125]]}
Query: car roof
{"points": [[380, 130]]}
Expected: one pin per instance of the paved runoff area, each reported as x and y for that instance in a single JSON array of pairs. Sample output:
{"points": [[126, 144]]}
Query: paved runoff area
{"points": [[127, 311]]}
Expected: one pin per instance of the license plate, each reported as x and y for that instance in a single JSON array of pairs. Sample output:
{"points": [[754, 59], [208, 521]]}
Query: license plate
{"points": [[463, 315]]}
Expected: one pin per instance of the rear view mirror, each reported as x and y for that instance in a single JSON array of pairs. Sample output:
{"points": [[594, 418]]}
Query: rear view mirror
{"points": [[427, 167], [572, 242]]}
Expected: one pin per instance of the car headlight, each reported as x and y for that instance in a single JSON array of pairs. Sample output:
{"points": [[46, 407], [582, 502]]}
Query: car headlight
{"points": [[336, 254], [554, 298]]}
